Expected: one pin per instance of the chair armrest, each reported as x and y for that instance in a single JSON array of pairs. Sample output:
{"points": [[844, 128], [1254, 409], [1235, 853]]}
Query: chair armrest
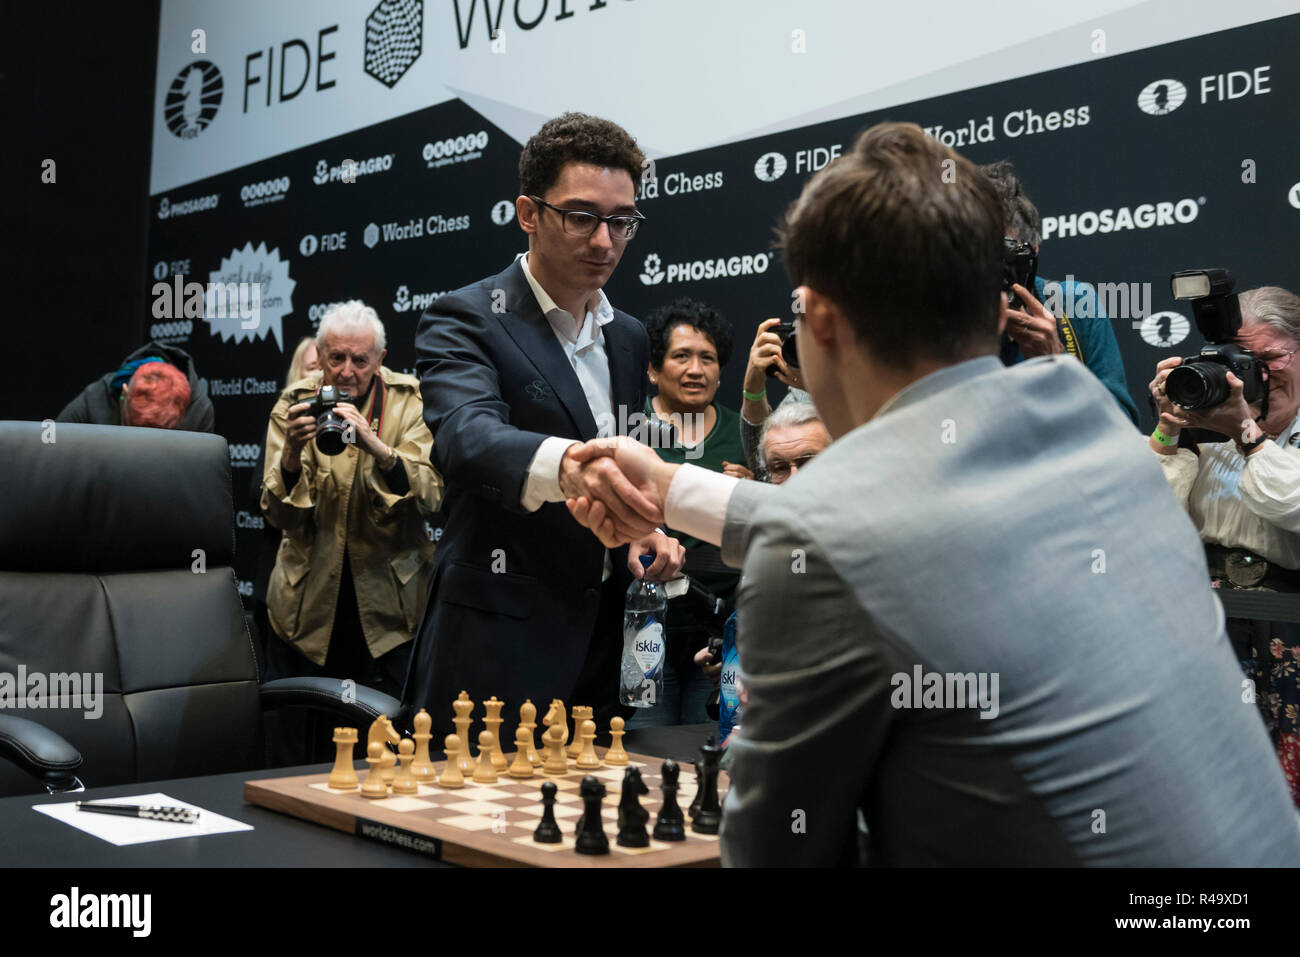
{"points": [[355, 703], [40, 752]]}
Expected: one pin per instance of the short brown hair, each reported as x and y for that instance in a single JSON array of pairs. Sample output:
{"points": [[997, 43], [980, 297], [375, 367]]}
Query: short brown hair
{"points": [[158, 396], [907, 244], [576, 138]]}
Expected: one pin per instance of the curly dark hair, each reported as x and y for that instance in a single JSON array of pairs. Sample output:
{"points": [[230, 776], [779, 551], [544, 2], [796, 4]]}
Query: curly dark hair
{"points": [[576, 138], [1018, 211], [687, 312]]}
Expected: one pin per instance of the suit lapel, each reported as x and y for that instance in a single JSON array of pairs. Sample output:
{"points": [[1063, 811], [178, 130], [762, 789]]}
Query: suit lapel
{"points": [[536, 339]]}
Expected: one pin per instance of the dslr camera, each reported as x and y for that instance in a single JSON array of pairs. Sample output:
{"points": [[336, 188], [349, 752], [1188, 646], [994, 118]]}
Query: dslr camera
{"points": [[1201, 381], [1019, 265], [331, 427]]}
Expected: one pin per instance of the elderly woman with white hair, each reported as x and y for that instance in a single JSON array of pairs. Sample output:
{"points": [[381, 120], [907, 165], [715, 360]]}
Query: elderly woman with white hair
{"points": [[346, 593], [1244, 496]]}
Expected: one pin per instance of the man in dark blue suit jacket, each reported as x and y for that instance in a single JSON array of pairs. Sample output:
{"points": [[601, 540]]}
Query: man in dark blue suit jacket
{"points": [[514, 369]]}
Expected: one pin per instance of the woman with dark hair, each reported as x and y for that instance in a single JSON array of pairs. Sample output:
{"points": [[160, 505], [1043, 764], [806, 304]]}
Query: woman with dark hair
{"points": [[689, 345]]}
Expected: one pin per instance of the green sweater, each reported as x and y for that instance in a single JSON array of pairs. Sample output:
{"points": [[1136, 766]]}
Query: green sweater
{"points": [[722, 444]]}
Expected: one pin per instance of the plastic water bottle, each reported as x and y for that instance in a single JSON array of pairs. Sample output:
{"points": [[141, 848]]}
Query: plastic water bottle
{"points": [[728, 683], [641, 676]]}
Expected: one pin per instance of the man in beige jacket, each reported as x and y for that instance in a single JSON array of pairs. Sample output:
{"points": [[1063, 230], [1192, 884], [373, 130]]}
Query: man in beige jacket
{"points": [[352, 571]]}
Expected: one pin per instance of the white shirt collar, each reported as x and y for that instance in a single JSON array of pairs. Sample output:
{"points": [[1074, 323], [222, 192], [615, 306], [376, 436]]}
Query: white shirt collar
{"points": [[562, 320]]}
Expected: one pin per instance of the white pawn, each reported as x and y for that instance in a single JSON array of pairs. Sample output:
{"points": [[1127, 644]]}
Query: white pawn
{"points": [[485, 773]]}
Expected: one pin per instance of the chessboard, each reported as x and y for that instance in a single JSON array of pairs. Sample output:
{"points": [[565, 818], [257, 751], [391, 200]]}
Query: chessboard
{"points": [[491, 825]]}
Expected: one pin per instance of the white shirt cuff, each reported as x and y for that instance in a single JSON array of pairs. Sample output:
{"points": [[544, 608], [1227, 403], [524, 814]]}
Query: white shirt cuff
{"points": [[542, 484], [697, 502]]}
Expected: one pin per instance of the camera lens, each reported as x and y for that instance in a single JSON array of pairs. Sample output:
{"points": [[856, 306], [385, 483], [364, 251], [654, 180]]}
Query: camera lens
{"points": [[329, 434], [1198, 385]]}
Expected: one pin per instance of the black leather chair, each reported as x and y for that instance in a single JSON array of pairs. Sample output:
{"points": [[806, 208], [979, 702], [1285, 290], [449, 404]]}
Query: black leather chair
{"points": [[115, 574]]}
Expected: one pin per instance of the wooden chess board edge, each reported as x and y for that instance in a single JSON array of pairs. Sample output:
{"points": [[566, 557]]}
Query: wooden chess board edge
{"points": [[411, 831]]}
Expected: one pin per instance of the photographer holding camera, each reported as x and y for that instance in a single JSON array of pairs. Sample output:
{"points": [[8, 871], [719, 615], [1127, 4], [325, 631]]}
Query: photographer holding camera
{"points": [[1244, 494], [351, 492]]}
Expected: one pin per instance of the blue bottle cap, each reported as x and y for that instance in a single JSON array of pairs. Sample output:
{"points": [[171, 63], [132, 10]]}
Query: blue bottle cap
{"points": [[647, 561]]}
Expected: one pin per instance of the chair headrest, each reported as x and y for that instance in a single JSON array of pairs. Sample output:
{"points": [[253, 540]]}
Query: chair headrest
{"points": [[105, 498]]}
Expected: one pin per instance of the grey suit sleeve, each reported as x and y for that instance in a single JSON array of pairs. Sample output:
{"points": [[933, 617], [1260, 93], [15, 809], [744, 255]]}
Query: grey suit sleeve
{"points": [[744, 500], [818, 711]]}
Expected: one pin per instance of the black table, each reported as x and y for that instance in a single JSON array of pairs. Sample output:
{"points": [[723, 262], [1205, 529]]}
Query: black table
{"points": [[31, 839]]}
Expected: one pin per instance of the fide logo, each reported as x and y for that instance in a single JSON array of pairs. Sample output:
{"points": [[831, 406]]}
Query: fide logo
{"points": [[394, 32], [308, 245], [1161, 97], [193, 99], [402, 301], [1164, 330], [370, 236], [1293, 197], [503, 213], [770, 167], [652, 272]]}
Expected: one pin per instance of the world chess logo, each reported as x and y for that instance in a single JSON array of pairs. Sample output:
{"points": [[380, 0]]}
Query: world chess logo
{"points": [[371, 236], [402, 301], [394, 30], [1161, 97], [193, 99], [770, 167], [503, 213], [1164, 330], [308, 245], [652, 272]]}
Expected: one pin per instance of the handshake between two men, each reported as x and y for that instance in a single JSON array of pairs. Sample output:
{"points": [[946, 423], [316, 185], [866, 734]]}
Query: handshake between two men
{"points": [[618, 488]]}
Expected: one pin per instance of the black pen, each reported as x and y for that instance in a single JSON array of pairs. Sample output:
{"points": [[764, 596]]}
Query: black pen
{"points": [[154, 812]]}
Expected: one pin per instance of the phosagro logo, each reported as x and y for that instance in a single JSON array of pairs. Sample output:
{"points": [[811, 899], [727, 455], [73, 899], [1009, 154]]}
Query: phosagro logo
{"points": [[349, 170], [1161, 97], [394, 32], [245, 456], [770, 167], [192, 99], [1143, 216], [1164, 329], [403, 301], [168, 210], [652, 273], [719, 268]]}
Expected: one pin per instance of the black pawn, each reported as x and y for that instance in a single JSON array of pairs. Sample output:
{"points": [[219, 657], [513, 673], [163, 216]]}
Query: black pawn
{"points": [[548, 832], [591, 833], [708, 819], [694, 809], [670, 825], [632, 817]]}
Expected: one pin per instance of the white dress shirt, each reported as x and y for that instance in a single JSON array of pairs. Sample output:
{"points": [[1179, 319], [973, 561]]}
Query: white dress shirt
{"points": [[1239, 502], [584, 345]]}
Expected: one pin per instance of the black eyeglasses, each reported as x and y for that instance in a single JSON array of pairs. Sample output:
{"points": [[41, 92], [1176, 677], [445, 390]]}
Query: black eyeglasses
{"points": [[580, 222], [780, 470]]}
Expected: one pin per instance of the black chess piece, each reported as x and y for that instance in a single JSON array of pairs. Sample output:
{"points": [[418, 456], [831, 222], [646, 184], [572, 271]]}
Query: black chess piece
{"points": [[632, 816], [708, 819], [694, 809], [670, 825], [548, 832], [591, 833]]}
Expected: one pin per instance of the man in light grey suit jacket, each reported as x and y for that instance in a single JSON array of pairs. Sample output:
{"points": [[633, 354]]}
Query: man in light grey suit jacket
{"points": [[979, 617]]}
